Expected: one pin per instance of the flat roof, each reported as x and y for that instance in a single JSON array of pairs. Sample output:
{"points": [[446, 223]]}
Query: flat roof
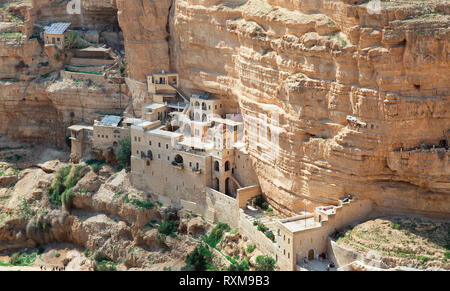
{"points": [[57, 27], [78, 127], [300, 224], [197, 143], [111, 120], [94, 49], [155, 106], [159, 131]]}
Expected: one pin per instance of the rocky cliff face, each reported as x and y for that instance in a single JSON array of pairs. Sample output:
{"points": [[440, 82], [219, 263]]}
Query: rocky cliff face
{"points": [[37, 103], [361, 97]]}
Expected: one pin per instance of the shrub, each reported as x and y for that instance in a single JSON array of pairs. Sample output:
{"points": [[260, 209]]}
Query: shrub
{"points": [[199, 259], [447, 255], [251, 248], [395, 225], [216, 234], [61, 188], [270, 235], [265, 263], [104, 264], [22, 259], [259, 201], [96, 168], [124, 154], [262, 227], [424, 259], [168, 227], [243, 266]]}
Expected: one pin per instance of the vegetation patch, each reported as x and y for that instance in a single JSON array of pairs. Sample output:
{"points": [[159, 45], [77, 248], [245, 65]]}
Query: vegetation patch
{"points": [[60, 191], [103, 264], [216, 234]]}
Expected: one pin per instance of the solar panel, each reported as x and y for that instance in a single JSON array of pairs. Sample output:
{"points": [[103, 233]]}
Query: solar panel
{"points": [[111, 120], [57, 28]]}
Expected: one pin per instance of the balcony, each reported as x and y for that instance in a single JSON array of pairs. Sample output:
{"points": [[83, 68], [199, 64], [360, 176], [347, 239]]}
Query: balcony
{"points": [[179, 166]]}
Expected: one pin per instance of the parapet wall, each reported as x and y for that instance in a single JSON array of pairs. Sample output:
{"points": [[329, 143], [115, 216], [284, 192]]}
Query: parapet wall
{"points": [[257, 237], [219, 202], [243, 194]]}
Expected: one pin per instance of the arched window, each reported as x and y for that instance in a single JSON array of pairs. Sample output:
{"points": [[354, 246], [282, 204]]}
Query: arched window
{"points": [[204, 117], [216, 166], [203, 106], [227, 166], [197, 105], [178, 159]]}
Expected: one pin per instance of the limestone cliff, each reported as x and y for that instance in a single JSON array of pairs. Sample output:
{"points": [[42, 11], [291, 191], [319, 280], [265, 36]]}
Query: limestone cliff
{"points": [[357, 98], [361, 95]]}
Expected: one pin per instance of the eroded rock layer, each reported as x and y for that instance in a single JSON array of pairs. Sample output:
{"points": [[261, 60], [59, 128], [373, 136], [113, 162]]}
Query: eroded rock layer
{"points": [[361, 98]]}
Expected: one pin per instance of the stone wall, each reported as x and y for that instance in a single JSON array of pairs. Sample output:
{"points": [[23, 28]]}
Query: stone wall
{"points": [[246, 193]]}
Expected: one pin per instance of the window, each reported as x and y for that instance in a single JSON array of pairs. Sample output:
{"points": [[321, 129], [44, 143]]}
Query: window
{"points": [[159, 156], [227, 166], [159, 144], [150, 143], [139, 139], [135, 138], [216, 166], [167, 146]]}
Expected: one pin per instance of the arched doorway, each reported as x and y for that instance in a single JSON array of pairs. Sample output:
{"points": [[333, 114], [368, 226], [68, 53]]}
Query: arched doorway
{"points": [[216, 184], [227, 186], [216, 166], [311, 255], [178, 159], [227, 166]]}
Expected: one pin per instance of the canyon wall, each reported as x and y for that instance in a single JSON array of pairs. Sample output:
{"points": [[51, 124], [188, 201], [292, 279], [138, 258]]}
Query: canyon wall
{"points": [[349, 93]]}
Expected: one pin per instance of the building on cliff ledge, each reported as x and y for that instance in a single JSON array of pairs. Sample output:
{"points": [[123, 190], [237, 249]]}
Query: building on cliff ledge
{"points": [[81, 139], [55, 33], [179, 154]]}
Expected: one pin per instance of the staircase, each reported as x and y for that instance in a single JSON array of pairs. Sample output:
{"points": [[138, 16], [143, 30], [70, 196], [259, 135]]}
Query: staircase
{"points": [[252, 214], [181, 93]]}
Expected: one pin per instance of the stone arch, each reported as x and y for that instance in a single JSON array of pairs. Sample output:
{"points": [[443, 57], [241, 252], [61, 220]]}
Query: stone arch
{"points": [[178, 159]]}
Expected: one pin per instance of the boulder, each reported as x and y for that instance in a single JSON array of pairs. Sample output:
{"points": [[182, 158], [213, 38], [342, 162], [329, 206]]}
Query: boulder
{"points": [[196, 226]]}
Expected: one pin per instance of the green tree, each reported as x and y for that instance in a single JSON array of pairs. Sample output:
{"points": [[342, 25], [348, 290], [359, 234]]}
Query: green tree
{"points": [[265, 263], [198, 260], [124, 154]]}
